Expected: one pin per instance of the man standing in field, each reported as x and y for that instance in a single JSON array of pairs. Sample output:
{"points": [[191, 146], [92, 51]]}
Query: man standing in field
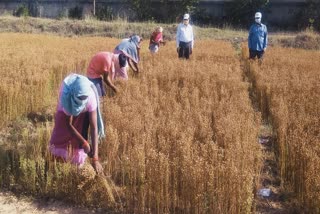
{"points": [[184, 38], [258, 38]]}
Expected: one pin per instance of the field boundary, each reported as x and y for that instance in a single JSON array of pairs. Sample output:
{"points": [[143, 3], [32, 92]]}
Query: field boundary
{"points": [[269, 193]]}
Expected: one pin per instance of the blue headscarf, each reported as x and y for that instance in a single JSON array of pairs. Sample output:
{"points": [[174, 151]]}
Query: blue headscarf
{"points": [[129, 47], [74, 86], [135, 39]]}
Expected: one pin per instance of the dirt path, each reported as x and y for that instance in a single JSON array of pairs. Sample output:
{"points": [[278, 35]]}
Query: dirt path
{"points": [[270, 197], [12, 204]]}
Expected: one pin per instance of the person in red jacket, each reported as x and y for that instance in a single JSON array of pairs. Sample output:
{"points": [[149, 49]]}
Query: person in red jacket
{"points": [[156, 39]]}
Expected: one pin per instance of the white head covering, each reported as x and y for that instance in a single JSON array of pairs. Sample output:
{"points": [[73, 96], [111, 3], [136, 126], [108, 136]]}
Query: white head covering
{"points": [[186, 16], [258, 17]]}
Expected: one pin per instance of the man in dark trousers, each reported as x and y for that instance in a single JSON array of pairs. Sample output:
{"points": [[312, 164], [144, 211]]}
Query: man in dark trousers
{"points": [[184, 38], [258, 38]]}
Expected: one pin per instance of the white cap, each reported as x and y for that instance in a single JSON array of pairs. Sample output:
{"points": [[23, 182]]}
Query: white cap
{"points": [[258, 15], [186, 16]]}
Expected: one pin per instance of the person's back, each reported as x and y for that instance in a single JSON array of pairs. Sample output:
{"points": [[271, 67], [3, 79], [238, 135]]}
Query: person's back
{"points": [[100, 64], [101, 68], [129, 47], [106, 66]]}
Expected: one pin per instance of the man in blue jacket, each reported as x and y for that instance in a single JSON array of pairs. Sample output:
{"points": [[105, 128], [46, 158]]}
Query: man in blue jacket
{"points": [[258, 38]]}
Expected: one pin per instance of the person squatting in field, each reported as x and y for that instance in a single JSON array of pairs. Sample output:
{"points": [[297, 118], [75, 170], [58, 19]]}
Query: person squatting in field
{"points": [[185, 38], [77, 96], [258, 38], [108, 67], [131, 48], [156, 39]]}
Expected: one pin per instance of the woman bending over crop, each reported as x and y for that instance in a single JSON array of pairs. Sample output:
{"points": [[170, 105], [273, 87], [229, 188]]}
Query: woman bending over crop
{"points": [[77, 96]]}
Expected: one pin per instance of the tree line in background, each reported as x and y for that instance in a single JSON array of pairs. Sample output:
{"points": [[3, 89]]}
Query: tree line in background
{"points": [[310, 16], [238, 13]]}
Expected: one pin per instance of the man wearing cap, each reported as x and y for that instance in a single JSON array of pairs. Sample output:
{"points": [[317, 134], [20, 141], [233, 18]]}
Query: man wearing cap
{"points": [[106, 66], [184, 38], [258, 38]]}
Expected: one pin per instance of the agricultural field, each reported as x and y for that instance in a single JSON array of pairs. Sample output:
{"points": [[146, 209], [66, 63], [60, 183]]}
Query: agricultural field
{"points": [[287, 85], [182, 136]]}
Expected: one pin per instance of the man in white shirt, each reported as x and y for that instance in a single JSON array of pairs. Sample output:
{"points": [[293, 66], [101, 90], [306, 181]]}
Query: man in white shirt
{"points": [[184, 38]]}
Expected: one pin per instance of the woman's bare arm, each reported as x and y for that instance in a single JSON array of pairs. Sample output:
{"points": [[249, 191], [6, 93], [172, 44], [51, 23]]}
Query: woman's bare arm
{"points": [[75, 132], [107, 80], [94, 137], [133, 66]]}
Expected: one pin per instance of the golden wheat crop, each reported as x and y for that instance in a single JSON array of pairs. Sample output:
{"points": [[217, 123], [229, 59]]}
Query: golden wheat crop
{"points": [[32, 67], [289, 83], [181, 136]]}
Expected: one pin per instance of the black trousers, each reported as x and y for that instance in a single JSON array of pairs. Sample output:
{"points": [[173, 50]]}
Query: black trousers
{"points": [[184, 49], [253, 54]]}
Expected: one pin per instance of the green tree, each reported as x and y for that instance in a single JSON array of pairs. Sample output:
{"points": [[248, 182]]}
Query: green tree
{"points": [[104, 13], [241, 12], [176, 9], [141, 8], [162, 10], [22, 10], [309, 16], [75, 12]]}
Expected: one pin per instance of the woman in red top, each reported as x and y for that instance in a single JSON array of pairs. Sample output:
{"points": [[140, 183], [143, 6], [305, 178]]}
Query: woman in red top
{"points": [[156, 39]]}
